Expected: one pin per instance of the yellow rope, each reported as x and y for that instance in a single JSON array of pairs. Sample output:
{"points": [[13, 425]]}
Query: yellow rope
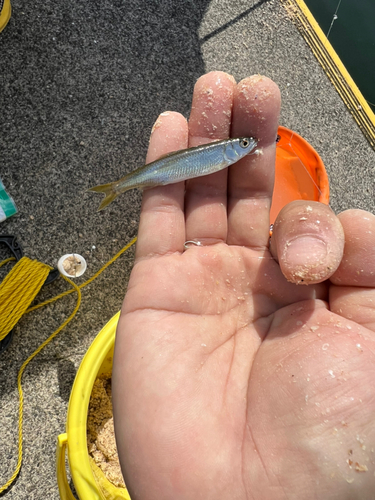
{"points": [[37, 271], [89, 280], [18, 289], [6, 261]]}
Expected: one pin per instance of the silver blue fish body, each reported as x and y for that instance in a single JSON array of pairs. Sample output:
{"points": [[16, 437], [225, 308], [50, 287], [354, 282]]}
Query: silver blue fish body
{"points": [[180, 166]]}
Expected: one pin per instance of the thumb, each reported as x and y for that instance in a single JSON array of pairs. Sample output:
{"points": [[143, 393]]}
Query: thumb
{"points": [[307, 241]]}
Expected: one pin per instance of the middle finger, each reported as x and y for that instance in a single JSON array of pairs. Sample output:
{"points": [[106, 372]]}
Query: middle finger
{"points": [[210, 120]]}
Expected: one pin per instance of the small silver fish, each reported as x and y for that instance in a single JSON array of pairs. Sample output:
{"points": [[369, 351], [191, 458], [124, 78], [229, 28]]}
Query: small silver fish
{"points": [[180, 166]]}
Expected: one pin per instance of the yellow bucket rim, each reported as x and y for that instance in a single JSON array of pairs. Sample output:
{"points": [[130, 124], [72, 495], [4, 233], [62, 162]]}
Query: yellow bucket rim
{"points": [[5, 14], [75, 440]]}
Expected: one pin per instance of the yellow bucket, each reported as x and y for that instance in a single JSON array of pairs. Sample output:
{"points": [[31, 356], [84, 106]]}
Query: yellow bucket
{"points": [[5, 13], [89, 481]]}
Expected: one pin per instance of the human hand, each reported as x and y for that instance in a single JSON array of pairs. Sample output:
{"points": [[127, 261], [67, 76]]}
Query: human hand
{"points": [[229, 381]]}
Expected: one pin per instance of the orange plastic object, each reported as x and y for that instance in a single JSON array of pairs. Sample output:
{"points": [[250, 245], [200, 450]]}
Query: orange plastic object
{"points": [[300, 173]]}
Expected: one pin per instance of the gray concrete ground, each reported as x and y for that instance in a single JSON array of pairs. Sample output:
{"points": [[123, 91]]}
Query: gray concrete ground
{"points": [[81, 84]]}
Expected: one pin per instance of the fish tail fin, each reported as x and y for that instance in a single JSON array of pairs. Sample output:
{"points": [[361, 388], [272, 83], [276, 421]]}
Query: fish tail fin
{"points": [[109, 191]]}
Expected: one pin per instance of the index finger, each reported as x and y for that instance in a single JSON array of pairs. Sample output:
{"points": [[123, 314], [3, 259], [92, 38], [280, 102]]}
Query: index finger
{"points": [[256, 109]]}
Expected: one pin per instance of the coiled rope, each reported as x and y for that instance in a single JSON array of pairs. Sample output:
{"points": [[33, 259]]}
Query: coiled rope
{"points": [[17, 291]]}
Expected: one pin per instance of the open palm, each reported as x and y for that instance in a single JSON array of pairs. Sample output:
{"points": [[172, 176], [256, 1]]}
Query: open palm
{"points": [[231, 378]]}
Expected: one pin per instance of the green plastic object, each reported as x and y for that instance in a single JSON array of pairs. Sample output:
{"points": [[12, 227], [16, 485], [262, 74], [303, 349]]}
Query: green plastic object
{"points": [[7, 205]]}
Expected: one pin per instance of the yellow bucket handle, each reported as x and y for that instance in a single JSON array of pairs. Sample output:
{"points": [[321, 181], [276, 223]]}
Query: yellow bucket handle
{"points": [[62, 480]]}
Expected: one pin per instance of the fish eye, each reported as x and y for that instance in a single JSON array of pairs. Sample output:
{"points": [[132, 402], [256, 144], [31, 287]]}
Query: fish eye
{"points": [[244, 143]]}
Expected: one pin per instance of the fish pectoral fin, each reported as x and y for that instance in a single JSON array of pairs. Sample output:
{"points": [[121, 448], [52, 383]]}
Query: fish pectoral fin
{"points": [[108, 190]]}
